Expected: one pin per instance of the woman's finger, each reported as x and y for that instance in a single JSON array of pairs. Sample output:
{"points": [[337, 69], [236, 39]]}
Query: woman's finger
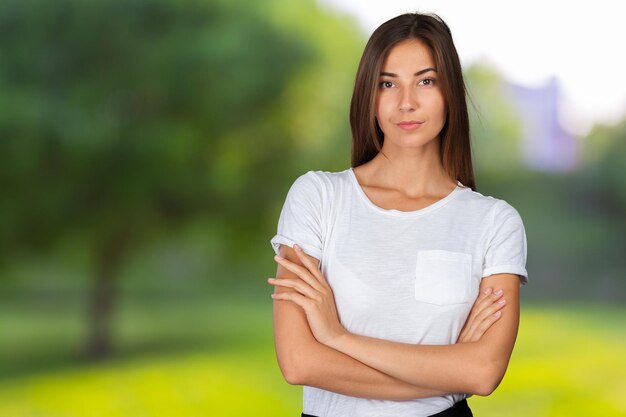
{"points": [[313, 269], [486, 323], [481, 317], [477, 307], [481, 327], [297, 284], [484, 306], [484, 295], [300, 271], [294, 297], [486, 301], [491, 309], [484, 319]]}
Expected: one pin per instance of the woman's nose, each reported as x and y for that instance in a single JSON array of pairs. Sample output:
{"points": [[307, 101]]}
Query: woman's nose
{"points": [[408, 100]]}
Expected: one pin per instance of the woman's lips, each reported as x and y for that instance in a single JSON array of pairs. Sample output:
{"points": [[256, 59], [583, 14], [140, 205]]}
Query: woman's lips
{"points": [[410, 125]]}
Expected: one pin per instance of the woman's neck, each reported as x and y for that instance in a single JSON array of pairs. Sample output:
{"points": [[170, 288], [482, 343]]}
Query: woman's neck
{"points": [[414, 172]]}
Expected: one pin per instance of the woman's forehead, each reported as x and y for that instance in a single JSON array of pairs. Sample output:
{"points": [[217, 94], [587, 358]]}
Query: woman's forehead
{"points": [[411, 55]]}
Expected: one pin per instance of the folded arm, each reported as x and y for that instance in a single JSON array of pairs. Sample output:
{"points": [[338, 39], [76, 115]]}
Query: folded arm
{"points": [[305, 361], [476, 367]]}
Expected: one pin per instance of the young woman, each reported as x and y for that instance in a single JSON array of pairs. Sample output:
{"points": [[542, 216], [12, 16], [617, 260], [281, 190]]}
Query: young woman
{"points": [[397, 290]]}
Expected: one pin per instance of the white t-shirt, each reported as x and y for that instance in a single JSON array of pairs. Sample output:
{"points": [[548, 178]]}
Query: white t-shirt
{"points": [[409, 277]]}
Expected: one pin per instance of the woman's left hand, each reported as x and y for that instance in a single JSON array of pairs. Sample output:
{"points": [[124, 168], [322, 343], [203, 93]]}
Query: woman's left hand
{"points": [[313, 294]]}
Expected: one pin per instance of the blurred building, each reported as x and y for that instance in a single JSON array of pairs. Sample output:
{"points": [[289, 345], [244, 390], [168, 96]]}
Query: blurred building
{"points": [[546, 145]]}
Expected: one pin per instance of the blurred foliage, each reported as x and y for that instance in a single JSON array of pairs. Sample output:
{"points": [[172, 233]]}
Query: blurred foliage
{"points": [[597, 196], [147, 147], [495, 127], [575, 221], [115, 114], [120, 119], [568, 361], [124, 121], [604, 161]]}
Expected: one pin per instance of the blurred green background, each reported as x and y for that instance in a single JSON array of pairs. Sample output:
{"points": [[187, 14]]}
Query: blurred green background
{"points": [[146, 149]]}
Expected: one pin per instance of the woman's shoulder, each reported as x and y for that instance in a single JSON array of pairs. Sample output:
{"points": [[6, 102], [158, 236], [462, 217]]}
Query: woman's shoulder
{"points": [[322, 180], [471, 199], [487, 204]]}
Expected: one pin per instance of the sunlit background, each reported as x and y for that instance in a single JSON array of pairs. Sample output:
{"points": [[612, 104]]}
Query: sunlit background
{"points": [[146, 150]]}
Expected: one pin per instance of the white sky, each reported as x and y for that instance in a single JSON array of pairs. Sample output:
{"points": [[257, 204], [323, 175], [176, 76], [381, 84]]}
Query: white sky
{"points": [[581, 43]]}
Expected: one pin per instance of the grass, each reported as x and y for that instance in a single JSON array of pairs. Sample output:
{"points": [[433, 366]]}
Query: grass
{"points": [[569, 361], [224, 384]]}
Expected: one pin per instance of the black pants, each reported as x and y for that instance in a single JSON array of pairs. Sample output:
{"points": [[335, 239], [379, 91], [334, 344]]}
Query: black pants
{"points": [[460, 409]]}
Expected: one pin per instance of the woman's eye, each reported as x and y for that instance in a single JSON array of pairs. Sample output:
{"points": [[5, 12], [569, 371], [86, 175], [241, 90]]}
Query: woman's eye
{"points": [[428, 81], [386, 84]]}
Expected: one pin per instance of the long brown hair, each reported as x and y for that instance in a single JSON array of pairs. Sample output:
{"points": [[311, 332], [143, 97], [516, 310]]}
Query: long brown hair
{"points": [[368, 138]]}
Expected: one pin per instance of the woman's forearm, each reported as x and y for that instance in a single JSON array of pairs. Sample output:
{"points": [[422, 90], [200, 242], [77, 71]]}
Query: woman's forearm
{"points": [[306, 311], [305, 314], [455, 368], [475, 368], [305, 361]]}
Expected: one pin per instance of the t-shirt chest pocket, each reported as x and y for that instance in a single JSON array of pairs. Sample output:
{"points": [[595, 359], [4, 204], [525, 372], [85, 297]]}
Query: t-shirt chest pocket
{"points": [[443, 277]]}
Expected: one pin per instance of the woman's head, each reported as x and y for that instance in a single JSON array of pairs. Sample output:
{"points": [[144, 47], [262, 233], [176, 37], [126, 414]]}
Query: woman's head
{"points": [[434, 34]]}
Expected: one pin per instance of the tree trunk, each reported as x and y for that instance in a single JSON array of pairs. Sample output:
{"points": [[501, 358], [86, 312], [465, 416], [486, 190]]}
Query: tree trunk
{"points": [[103, 297]]}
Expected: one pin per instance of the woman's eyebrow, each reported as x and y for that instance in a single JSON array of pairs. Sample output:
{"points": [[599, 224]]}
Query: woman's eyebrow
{"points": [[420, 72]]}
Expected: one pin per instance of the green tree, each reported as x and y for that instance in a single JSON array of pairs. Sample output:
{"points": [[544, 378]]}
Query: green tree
{"points": [[597, 193], [495, 126], [117, 123]]}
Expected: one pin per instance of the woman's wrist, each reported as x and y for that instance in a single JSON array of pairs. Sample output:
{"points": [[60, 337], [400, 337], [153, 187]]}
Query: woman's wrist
{"points": [[339, 340]]}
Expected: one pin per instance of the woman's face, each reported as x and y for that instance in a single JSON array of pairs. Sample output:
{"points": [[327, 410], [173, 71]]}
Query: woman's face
{"points": [[410, 107]]}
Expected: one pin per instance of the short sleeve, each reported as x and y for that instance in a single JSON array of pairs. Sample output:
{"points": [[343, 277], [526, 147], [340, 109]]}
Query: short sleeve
{"points": [[301, 218], [506, 247]]}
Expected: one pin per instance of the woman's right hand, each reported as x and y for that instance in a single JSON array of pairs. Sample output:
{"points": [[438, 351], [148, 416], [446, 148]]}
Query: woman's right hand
{"points": [[485, 312]]}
